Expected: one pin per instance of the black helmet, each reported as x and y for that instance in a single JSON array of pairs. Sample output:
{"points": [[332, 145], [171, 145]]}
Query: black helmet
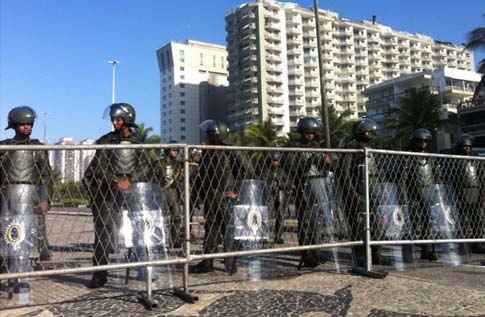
{"points": [[123, 110], [465, 140], [308, 125], [211, 127], [19, 115], [365, 126], [422, 134], [168, 149]]}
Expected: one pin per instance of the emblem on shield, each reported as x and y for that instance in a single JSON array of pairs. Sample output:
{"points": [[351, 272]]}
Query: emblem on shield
{"points": [[14, 234]]}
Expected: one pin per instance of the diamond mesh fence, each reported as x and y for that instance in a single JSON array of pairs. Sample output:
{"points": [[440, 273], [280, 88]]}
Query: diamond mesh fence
{"points": [[428, 199], [116, 206], [88, 207]]}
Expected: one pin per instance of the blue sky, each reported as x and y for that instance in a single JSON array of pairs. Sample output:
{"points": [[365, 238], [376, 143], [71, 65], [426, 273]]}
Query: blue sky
{"points": [[53, 54]]}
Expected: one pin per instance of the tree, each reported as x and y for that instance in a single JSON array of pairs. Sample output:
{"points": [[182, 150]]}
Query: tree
{"points": [[419, 108], [340, 125], [147, 134], [263, 134]]}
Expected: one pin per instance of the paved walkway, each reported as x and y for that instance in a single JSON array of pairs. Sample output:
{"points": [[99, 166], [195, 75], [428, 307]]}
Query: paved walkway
{"points": [[425, 290]]}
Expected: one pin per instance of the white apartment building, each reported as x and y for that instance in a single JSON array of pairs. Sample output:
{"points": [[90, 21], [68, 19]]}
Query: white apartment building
{"points": [[71, 164], [454, 85], [273, 61], [183, 102]]}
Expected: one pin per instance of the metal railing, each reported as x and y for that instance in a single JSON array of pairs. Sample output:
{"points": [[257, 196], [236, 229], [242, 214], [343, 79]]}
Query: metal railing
{"points": [[228, 202]]}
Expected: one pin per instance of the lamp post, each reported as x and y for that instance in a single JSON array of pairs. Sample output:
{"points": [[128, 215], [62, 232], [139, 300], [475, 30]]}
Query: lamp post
{"points": [[113, 63], [316, 7], [45, 127]]}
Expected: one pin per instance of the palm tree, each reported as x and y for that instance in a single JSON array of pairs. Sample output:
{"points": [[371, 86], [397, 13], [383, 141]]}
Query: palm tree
{"points": [[263, 134], [147, 134], [417, 109], [340, 125]]}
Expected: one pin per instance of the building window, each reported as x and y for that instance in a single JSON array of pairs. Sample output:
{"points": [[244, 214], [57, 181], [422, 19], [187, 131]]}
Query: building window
{"points": [[201, 59], [182, 137], [182, 102], [182, 128], [182, 77], [182, 119], [182, 85], [214, 61], [182, 68], [182, 94], [182, 111]]}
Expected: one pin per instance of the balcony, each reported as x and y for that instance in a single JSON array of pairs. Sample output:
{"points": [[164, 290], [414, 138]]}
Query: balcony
{"points": [[270, 36], [276, 111], [295, 92], [295, 82], [294, 71], [294, 51], [273, 79], [275, 100], [273, 68]]}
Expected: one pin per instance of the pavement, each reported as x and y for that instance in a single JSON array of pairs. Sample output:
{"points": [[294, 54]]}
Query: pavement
{"points": [[269, 286]]}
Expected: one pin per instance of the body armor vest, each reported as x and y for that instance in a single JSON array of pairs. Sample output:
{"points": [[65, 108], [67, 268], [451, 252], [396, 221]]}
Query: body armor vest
{"points": [[424, 173], [20, 167], [124, 160], [470, 175]]}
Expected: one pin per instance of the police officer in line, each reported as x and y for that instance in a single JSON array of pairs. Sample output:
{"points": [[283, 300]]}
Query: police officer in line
{"points": [[25, 180], [216, 189], [420, 174], [173, 180], [299, 167], [278, 188], [468, 185], [353, 182], [109, 174]]}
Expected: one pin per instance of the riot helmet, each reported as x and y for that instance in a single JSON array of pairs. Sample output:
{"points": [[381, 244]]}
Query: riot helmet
{"points": [[421, 139], [121, 110], [213, 130], [168, 149], [308, 125], [20, 115], [464, 144], [365, 130]]}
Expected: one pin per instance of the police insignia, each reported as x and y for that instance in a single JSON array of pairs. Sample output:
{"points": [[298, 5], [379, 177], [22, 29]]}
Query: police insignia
{"points": [[14, 234]]}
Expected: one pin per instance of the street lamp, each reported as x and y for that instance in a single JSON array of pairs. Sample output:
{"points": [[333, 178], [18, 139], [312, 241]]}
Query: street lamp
{"points": [[113, 63], [45, 127], [316, 7]]}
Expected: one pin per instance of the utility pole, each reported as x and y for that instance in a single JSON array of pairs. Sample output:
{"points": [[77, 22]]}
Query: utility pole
{"points": [[316, 7], [113, 63], [45, 127]]}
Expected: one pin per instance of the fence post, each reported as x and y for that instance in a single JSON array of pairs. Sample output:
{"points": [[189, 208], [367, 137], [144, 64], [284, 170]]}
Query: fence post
{"points": [[368, 251], [187, 217]]}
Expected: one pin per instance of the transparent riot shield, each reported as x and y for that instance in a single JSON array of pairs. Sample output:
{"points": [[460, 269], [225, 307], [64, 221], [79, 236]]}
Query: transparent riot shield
{"points": [[144, 227], [444, 222], [323, 221], [392, 223], [248, 225], [18, 232]]}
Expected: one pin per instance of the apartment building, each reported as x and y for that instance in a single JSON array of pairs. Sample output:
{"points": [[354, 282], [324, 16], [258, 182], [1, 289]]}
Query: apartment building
{"points": [[71, 164], [273, 61], [454, 87], [189, 72]]}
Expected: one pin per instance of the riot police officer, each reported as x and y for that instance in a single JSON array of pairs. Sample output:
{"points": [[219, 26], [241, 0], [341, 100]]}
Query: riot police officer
{"points": [[421, 173], [468, 184], [24, 183], [110, 178], [278, 189], [301, 167], [173, 180], [216, 189], [364, 132]]}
